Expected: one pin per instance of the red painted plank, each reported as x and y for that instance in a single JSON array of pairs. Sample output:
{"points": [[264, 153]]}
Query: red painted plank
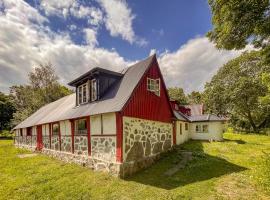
{"points": [[72, 134], [145, 104], [88, 134], [119, 138], [174, 132]]}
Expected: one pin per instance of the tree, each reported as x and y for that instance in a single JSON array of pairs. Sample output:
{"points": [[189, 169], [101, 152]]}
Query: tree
{"points": [[177, 94], [236, 88], [6, 111], [266, 81], [236, 23], [43, 89], [194, 97]]}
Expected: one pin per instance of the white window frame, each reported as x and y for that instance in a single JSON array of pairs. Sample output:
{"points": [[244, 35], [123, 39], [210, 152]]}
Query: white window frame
{"points": [[93, 90], [84, 96], [153, 85], [205, 130], [198, 128]]}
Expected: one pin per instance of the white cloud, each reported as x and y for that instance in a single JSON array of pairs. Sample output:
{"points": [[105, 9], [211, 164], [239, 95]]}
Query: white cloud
{"points": [[91, 37], [65, 8], [193, 64], [152, 51], [24, 45], [56, 7], [118, 20]]}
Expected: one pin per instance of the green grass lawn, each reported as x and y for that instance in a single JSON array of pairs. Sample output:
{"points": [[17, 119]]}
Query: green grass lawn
{"points": [[233, 169]]}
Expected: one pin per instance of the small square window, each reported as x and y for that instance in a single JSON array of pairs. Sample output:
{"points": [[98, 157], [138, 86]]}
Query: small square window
{"points": [[198, 128], [153, 85], [56, 129], [205, 128], [81, 127], [186, 126]]}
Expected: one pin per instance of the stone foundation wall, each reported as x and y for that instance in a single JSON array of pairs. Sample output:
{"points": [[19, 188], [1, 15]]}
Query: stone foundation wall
{"points": [[66, 143], [81, 145], [55, 144], [104, 147], [46, 142], [145, 138], [86, 161], [26, 141]]}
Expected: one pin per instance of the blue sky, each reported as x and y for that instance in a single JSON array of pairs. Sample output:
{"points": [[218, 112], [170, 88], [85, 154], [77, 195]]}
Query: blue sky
{"points": [[164, 26], [77, 35]]}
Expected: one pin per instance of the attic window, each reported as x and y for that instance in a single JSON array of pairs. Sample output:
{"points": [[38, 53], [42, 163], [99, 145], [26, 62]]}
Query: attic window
{"points": [[153, 85], [93, 90], [82, 93]]}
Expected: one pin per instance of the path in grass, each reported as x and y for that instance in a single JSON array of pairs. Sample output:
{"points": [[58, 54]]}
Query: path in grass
{"points": [[218, 170]]}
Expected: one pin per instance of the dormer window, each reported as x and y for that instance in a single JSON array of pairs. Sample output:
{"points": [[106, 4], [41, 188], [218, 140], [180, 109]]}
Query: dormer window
{"points": [[83, 93], [153, 85], [93, 90], [94, 85]]}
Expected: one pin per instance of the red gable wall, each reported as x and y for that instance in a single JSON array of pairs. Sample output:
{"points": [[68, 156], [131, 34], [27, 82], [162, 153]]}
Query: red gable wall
{"points": [[145, 104]]}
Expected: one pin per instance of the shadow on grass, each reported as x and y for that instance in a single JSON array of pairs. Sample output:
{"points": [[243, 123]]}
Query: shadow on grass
{"points": [[202, 167], [6, 138], [237, 141]]}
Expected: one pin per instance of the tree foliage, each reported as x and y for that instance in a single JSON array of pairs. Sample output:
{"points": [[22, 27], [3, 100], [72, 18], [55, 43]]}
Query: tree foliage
{"points": [[43, 89], [195, 97], [6, 111], [177, 93], [236, 23], [236, 89]]}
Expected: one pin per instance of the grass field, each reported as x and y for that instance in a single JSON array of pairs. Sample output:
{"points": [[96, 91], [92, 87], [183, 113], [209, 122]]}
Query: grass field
{"points": [[234, 169]]}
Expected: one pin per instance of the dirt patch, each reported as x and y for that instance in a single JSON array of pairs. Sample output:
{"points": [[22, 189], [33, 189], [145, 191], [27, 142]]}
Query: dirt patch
{"points": [[28, 155]]}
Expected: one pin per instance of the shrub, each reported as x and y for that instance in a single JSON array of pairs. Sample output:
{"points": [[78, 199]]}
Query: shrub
{"points": [[6, 134]]}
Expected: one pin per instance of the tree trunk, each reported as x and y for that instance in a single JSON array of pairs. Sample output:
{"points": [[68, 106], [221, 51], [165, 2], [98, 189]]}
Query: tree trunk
{"points": [[254, 127]]}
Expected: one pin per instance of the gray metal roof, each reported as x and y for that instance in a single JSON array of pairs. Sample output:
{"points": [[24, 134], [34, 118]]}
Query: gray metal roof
{"points": [[180, 116], [206, 117], [113, 101]]}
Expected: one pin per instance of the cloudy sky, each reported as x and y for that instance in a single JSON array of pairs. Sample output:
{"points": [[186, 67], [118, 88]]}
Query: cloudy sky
{"points": [[77, 35]]}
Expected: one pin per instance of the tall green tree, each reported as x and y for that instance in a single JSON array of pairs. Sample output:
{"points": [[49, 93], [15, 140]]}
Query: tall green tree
{"points": [[42, 89], [178, 94], [6, 111], [235, 91], [237, 23], [195, 97]]}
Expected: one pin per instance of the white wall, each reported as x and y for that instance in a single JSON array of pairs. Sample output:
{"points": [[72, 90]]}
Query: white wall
{"points": [[45, 130], [107, 124], [65, 127], [181, 138], [215, 131]]}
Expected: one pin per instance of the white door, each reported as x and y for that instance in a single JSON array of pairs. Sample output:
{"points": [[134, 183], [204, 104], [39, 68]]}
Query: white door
{"points": [[179, 134]]}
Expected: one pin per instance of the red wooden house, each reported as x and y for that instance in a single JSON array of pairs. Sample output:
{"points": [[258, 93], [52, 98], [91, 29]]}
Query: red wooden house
{"points": [[116, 121]]}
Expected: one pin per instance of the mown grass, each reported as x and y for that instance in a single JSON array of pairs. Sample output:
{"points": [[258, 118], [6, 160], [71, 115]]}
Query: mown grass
{"points": [[237, 168]]}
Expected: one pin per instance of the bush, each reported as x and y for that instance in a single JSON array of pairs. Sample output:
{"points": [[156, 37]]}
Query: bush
{"points": [[6, 134]]}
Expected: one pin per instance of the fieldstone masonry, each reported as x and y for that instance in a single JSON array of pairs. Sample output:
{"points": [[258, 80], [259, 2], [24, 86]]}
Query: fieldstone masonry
{"points": [[104, 148], [55, 144], [46, 142], [66, 143], [81, 145], [143, 141], [144, 138]]}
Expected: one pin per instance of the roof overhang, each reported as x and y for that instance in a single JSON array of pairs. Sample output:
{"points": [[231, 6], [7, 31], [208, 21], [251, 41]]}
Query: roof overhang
{"points": [[93, 73]]}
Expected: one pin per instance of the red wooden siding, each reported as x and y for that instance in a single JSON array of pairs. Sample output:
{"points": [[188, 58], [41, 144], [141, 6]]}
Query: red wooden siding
{"points": [[145, 104], [88, 134], [119, 138], [174, 132], [72, 134], [39, 137]]}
